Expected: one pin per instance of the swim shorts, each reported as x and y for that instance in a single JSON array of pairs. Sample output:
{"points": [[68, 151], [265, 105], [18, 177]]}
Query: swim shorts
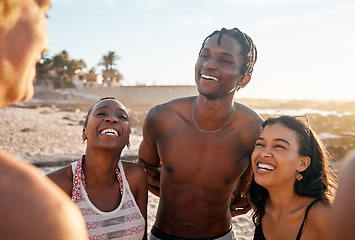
{"points": [[155, 234]]}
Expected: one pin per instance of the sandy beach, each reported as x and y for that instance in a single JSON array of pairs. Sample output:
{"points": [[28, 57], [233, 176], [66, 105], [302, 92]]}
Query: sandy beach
{"points": [[49, 136]]}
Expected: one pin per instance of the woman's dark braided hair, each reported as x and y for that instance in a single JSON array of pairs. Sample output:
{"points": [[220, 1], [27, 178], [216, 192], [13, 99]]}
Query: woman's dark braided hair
{"points": [[318, 179], [248, 53]]}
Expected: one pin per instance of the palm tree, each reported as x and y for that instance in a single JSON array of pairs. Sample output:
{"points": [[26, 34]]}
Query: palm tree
{"points": [[91, 76], [112, 57], [42, 69], [105, 63], [108, 61], [65, 68], [60, 62]]}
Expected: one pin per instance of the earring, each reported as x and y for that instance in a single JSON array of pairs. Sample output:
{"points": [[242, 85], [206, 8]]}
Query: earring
{"points": [[128, 145], [83, 139], [299, 176]]}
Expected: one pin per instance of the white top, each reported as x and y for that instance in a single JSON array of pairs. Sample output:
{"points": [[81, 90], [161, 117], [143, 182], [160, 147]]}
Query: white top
{"points": [[125, 222]]}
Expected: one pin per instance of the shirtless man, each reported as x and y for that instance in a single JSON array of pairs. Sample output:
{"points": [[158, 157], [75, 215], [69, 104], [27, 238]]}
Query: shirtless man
{"points": [[31, 206], [202, 144]]}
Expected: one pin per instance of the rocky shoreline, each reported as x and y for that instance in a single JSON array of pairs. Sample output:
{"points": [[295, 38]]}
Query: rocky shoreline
{"points": [[46, 131]]}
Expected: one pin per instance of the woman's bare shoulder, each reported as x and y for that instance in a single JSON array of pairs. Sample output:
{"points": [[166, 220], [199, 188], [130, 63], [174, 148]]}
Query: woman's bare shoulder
{"points": [[133, 169], [318, 216], [135, 176], [63, 177], [321, 208]]}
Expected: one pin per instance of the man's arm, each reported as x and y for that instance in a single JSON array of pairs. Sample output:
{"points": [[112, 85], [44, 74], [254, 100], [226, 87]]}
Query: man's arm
{"points": [[153, 177], [148, 156], [240, 203]]}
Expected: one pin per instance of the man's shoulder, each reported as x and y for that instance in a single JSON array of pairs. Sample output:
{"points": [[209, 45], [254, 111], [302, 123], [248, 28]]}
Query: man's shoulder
{"points": [[250, 122], [22, 179], [43, 208], [177, 104], [248, 113], [14, 170]]}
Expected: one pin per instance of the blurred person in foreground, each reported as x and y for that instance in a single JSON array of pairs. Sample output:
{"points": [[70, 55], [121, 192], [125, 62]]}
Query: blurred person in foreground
{"points": [[31, 206], [292, 185], [112, 194], [341, 223], [196, 150]]}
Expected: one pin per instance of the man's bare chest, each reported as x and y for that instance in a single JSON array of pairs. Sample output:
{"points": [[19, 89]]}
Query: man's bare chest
{"points": [[207, 159]]}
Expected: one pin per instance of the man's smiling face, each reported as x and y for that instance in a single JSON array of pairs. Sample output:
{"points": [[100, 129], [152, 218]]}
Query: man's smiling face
{"points": [[218, 67]]}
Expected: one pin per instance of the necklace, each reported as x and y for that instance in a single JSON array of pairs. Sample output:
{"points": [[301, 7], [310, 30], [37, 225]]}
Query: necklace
{"points": [[82, 176], [212, 131]]}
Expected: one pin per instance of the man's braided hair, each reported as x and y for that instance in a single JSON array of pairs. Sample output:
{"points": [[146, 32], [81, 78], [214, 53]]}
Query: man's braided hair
{"points": [[248, 53]]}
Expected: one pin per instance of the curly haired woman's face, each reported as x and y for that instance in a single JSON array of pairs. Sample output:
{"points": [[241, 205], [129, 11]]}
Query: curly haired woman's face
{"points": [[275, 159]]}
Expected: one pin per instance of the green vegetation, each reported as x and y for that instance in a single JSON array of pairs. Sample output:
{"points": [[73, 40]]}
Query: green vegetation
{"points": [[60, 71]]}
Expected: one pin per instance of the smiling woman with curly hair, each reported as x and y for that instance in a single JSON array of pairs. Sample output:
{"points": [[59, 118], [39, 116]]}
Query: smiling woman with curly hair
{"points": [[291, 189]]}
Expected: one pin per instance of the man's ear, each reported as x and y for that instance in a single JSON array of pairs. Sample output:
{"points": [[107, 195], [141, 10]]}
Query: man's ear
{"points": [[304, 164], [245, 80]]}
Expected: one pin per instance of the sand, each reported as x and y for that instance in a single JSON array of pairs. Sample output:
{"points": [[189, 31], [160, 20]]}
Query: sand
{"points": [[50, 136]]}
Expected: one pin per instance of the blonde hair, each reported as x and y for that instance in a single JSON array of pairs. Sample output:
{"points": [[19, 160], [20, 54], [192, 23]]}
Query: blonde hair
{"points": [[10, 11]]}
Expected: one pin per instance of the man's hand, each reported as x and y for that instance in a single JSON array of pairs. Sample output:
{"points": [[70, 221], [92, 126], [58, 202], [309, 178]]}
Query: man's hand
{"points": [[239, 204], [153, 176]]}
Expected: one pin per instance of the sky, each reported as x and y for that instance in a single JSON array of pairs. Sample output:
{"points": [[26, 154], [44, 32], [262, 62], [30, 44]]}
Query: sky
{"points": [[306, 48]]}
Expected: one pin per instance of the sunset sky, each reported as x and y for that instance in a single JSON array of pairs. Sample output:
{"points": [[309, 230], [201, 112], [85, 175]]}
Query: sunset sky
{"points": [[306, 48]]}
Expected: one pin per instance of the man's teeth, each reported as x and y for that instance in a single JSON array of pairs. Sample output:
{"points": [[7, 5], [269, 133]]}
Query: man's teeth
{"points": [[109, 131], [266, 166], [209, 77]]}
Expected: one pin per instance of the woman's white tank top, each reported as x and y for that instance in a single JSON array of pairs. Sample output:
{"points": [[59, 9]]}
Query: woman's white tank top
{"points": [[125, 222]]}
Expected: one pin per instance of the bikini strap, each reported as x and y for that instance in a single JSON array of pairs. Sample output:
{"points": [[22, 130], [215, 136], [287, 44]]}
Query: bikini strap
{"points": [[305, 216]]}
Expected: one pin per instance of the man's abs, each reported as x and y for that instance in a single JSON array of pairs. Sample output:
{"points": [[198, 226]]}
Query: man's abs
{"points": [[196, 213]]}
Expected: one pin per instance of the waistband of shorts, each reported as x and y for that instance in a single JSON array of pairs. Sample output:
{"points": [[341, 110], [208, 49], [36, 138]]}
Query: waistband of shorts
{"points": [[159, 234]]}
